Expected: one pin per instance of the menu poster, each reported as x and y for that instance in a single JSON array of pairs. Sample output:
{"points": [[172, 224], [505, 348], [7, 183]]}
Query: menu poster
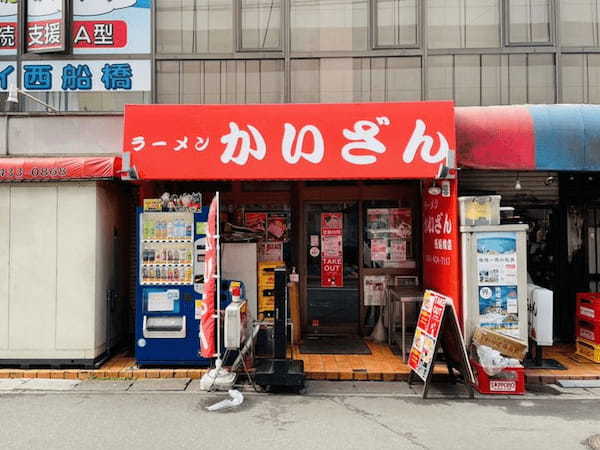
{"points": [[271, 251], [396, 222], [332, 258], [401, 222], [277, 227], [427, 333], [397, 250], [256, 221], [374, 290], [379, 249]]}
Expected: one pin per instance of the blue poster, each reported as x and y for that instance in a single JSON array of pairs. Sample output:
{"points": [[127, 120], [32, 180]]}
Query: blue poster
{"points": [[498, 309]]}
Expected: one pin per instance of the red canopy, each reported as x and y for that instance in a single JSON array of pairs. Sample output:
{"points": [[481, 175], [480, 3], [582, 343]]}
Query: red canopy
{"points": [[40, 169]]}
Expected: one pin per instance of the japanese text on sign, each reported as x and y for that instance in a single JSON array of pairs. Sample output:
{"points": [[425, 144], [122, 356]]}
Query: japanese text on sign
{"points": [[371, 140], [111, 75]]}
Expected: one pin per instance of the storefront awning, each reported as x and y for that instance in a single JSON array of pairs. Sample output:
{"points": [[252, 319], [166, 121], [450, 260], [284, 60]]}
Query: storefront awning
{"points": [[532, 137], [289, 141], [43, 169]]}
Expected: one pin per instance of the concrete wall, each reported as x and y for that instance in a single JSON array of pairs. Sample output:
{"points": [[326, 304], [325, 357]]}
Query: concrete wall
{"points": [[53, 135]]}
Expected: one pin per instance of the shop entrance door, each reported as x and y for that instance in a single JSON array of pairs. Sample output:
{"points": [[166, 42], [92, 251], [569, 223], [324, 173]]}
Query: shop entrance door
{"points": [[332, 256]]}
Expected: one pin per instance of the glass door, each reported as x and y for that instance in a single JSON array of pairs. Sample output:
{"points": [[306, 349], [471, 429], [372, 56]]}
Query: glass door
{"points": [[333, 290]]}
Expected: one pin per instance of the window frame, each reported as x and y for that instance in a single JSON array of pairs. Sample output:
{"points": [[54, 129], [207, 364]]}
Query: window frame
{"points": [[551, 24], [238, 31], [374, 25]]}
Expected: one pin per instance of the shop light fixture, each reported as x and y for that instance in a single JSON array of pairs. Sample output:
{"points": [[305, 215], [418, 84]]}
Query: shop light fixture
{"points": [[13, 97], [434, 189]]}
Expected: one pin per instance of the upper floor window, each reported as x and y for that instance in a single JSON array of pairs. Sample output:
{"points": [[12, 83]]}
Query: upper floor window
{"points": [[329, 25], [261, 25], [529, 22], [579, 22], [464, 23], [396, 23], [194, 26]]}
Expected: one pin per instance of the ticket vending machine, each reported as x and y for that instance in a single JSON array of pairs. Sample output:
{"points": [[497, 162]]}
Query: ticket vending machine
{"points": [[171, 248]]}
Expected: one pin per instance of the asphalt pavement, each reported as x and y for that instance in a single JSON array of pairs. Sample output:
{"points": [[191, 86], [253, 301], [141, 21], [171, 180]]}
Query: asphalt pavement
{"points": [[171, 414]]}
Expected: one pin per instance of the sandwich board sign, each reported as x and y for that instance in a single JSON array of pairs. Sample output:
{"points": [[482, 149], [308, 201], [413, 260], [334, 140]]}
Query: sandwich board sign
{"points": [[438, 328]]}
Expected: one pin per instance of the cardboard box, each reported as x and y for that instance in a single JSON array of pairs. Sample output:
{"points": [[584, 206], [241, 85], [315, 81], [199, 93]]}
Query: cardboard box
{"points": [[508, 346]]}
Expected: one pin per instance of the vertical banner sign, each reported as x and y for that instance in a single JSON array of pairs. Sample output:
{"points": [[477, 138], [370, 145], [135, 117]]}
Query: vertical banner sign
{"points": [[332, 258], [497, 287], [46, 26], [427, 333], [440, 239], [207, 320], [8, 27]]}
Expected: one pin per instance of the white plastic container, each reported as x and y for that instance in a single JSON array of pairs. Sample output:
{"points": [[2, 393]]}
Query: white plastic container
{"points": [[482, 210]]}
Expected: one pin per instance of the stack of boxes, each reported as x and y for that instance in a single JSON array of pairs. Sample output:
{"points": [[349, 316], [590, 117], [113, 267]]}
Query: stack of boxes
{"points": [[588, 325], [266, 290]]}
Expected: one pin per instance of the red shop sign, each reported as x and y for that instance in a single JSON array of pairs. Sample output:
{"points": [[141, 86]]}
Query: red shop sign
{"points": [[290, 141], [332, 255], [441, 239]]}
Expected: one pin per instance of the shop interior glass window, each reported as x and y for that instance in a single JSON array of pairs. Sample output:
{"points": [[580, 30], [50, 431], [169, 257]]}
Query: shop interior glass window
{"points": [[388, 235], [396, 23], [529, 21], [463, 23], [261, 24]]}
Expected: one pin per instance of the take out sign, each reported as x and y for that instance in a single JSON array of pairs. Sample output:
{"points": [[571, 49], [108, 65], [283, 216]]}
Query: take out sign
{"points": [[290, 141]]}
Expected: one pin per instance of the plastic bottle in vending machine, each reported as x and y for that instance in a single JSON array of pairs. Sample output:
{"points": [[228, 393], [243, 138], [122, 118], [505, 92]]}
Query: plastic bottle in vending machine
{"points": [[188, 230], [176, 274], [163, 229], [180, 229], [188, 274], [144, 274], [170, 232], [151, 274]]}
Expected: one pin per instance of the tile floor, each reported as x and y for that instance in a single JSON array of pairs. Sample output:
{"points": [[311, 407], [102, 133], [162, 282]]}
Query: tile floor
{"points": [[380, 365]]}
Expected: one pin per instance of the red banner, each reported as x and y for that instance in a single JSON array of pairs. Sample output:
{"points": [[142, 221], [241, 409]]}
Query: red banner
{"points": [[20, 169], [46, 35], [292, 141], [441, 257], [207, 321], [99, 34], [332, 256]]}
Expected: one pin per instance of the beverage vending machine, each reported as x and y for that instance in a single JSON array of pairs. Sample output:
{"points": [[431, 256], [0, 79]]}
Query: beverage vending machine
{"points": [[171, 250]]}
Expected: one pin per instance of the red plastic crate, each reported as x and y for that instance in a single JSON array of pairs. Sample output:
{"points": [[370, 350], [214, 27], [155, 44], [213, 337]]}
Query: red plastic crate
{"points": [[510, 381], [588, 306], [590, 331]]}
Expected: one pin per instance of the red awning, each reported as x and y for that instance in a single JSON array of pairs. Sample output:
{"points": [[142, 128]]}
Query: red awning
{"points": [[41, 169]]}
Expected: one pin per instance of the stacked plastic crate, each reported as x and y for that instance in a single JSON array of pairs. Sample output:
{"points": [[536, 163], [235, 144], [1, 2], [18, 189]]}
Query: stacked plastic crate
{"points": [[266, 288], [588, 325]]}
